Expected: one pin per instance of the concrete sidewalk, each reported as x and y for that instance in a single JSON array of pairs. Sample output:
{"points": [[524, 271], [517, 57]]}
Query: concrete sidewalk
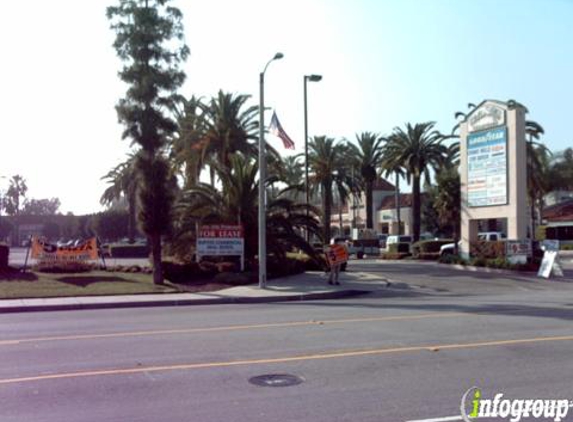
{"points": [[308, 286]]}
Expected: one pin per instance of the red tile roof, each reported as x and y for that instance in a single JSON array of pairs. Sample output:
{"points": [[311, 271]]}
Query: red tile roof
{"points": [[559, 212], [388, 202]]}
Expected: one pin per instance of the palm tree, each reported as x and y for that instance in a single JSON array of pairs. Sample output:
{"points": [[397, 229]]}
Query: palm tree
{"points": [[123, 181], [188, 154], [327, 162], [229, 127], [538, 183], [368, 155], [561, 169], [416, 149], [447, 200], [237, 202]]}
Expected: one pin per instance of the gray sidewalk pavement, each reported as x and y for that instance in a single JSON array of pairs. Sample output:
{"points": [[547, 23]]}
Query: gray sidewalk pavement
{"points": [[308, 286]]}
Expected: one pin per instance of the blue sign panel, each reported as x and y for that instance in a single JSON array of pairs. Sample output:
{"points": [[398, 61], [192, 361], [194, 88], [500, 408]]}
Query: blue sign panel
{"points": [[487, 168]]}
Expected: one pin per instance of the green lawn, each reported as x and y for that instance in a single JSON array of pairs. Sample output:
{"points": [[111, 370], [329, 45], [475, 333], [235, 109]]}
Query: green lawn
{"points": [[34, 284]]}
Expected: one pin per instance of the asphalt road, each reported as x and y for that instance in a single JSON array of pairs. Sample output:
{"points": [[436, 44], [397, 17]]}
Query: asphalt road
{"points": [[408, 353]]}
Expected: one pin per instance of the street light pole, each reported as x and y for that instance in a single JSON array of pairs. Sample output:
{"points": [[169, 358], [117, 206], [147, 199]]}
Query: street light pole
{"points": [[262, 178], [312, 78]]}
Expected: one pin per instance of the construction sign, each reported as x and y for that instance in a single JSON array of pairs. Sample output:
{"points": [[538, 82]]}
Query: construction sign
{"points": [[44, 251], [336, 255]]}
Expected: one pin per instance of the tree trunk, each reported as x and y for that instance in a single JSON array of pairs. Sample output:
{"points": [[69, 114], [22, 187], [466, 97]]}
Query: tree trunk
{"points": [[131, 217], [532, 221], [369, 200], [397, 200], [416, 208], [155, 240]]}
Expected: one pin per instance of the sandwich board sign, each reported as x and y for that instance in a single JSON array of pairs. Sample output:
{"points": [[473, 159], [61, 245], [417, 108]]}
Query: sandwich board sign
{"points": [[221, 240], [550, 264]]}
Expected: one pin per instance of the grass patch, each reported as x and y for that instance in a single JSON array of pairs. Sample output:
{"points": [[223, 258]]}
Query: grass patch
{"points": [[16, 285]]}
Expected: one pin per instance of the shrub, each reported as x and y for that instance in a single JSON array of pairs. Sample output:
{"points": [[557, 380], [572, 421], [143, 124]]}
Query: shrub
{"points": [[4, 253], [227, 267], [478, 262], [429, 246], [487, 249], [451, 259], [129, 251], [429, 256], [567, 247], [181, 273]]}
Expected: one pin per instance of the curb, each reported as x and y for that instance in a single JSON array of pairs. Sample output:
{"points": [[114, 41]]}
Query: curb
{"points": [[185, 302]]}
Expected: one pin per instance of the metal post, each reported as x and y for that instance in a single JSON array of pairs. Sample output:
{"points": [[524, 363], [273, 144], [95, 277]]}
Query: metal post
{"points": [[262, 177], [306, 185], [312, 78]]}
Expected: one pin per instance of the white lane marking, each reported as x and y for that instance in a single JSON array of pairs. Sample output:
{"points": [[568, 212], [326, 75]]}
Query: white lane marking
{"points": [[444, 419]]}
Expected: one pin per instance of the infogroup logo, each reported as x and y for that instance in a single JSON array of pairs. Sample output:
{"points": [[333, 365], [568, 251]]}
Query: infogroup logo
{"points": [[475, 406]]}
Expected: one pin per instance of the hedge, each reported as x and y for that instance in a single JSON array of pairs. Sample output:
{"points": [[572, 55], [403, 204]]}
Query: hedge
{"points": [[426, 247], [487, 249]]}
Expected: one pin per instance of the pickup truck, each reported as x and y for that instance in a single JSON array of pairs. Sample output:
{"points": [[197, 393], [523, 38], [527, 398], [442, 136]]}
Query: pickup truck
{"points": [[448, 248]]}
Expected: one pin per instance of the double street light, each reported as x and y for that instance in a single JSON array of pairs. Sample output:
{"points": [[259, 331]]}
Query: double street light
{"points": [[262, 178], [311, 78]]}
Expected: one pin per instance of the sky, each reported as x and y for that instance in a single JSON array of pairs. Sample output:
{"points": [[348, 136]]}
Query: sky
{"points": [[384, 63]]}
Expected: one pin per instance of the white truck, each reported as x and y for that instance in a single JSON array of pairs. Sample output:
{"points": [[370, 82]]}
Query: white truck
{"points": [[448, 248]]}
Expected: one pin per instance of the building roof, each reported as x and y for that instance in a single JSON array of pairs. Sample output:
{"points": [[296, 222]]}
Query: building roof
{"points": [[389, 203], [559, 212], [383, 185]]}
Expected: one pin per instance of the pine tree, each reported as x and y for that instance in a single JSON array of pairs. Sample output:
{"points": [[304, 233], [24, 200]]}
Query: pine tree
{"points": [[149, 40]]}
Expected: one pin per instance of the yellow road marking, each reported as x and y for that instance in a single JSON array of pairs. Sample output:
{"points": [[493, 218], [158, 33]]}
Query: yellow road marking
{"points": [[231, 328], [332, 355]]}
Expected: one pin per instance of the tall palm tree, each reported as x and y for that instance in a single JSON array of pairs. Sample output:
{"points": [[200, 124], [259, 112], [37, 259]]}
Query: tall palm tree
{"points": [[188, 154], [327, 161], [123, 181], [237, 202], [416, 149], [537, 168], [368, 155]]}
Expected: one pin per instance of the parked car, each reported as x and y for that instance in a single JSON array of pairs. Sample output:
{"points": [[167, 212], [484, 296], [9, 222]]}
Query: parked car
{"points": [[448, 248]]}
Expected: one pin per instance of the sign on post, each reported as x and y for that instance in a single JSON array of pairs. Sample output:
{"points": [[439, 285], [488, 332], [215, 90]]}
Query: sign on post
{"points": [[517, 251], [221, 240]]}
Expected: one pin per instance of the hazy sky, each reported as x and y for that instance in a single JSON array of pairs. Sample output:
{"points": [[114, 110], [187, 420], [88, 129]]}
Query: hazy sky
{"points": [[384, 63]]}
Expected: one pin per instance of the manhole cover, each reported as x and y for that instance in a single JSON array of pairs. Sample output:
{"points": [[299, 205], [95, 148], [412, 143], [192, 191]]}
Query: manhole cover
{"points": [[276, 380]]}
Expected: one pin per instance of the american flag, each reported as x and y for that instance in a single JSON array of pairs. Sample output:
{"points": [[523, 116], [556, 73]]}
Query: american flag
{"points": [[276, 129]]}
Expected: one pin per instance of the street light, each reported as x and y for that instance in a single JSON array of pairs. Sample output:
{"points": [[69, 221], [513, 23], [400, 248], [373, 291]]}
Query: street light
{"points": [[311, 78], [262, 177]]}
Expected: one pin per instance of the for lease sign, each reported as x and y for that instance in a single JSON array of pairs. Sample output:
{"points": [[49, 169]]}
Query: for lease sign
{"points": [[220, 239]]}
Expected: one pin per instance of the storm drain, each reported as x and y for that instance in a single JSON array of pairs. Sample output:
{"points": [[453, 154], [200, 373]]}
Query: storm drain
{"points": [[276, 380]]}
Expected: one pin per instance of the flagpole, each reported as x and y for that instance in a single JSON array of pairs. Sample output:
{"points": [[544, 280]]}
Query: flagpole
{"points": [[262, 178]]}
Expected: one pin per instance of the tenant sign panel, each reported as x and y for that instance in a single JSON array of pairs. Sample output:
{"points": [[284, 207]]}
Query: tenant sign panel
{"points": [[220, 239], [487, 167]]}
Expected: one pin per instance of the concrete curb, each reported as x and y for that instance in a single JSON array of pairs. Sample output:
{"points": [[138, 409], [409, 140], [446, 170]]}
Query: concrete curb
{"points": [[75, 306]]}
